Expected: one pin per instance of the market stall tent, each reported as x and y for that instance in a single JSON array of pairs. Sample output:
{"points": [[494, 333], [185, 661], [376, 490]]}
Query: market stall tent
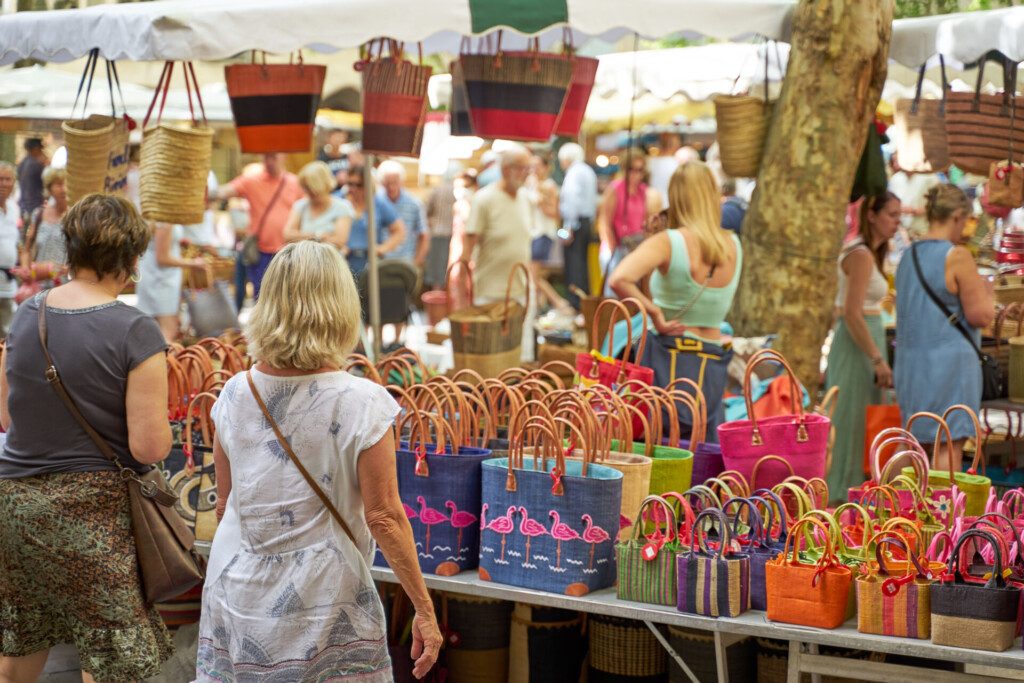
{"points": [[961, 38], [219, 29]]}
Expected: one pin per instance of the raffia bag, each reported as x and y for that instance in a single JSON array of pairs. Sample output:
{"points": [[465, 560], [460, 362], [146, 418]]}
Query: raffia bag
{"points": [[175, 160], [743, 122], [489, 338], [97, 146], [394, 101], [921, 130], [979, 128]]}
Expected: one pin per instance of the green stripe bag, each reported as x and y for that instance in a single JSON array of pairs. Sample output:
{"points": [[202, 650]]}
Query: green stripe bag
{"points": [[647, 564]]}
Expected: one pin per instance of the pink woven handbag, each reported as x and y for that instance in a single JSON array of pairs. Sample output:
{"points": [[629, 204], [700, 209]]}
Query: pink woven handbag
{"points": [[800, 438]]}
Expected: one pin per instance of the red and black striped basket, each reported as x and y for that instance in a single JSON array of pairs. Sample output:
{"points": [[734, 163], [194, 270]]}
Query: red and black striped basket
{"points": [[394, 104], [275, 105], [584, 71], [516, 95]]}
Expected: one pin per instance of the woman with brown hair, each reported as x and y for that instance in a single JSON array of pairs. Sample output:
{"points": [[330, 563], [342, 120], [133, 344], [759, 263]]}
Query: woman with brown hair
{"points": [[67, 555], [627, 207], [857, 361]]}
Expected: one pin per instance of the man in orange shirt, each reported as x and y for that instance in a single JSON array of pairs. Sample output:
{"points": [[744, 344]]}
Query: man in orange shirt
{"points": [[270, 193]]}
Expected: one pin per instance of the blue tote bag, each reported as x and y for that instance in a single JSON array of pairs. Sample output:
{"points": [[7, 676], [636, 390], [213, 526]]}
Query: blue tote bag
{"points": [[439, 484], [549, 523]]}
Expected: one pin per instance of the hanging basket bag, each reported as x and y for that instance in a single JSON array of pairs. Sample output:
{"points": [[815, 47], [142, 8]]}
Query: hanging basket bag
{"points": [[274, 105], [97, 145], [584, 72], [516, 95], [743, 122], [175, 159], [978, 126], [394, 101], [920, 130]]}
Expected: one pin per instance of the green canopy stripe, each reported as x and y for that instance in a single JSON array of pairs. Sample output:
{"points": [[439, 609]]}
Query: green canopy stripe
{"points": [[525, 16]]}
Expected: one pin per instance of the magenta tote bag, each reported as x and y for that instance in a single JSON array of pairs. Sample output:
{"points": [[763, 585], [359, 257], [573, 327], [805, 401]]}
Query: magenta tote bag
{"points": [[800, 438]]}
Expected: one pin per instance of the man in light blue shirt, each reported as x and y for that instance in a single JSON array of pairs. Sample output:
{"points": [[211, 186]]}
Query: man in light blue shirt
{"points": [[409, 209], [577, 203]]}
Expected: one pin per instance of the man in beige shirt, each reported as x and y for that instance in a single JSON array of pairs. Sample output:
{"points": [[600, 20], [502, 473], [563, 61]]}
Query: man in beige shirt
{"points": [[497, 236]]}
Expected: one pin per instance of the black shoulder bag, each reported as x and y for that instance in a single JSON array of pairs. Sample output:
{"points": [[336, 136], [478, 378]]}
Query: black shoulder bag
{"points": [[993, 384]]}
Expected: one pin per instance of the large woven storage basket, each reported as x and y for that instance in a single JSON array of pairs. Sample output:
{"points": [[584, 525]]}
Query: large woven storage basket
{"points": [[546, 645], [698, 650], [743, 122], [480, 628], [623, 650], [921, 135], [173, 171]]}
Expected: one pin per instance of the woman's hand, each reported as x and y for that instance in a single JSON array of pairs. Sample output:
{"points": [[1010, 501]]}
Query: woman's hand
{"points": [[198, 264], [668, 328], [426, 643], [883, 375]]}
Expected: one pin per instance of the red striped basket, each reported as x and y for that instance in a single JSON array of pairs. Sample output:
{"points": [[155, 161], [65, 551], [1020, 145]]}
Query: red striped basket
{"points": [[584, 71], [394, 103]]}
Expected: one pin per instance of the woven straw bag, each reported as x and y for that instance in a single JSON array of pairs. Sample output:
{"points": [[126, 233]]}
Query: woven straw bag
{"points": [[921, 130], [978, 126], [394, 101], [175, 160], [488, 338], [97, 146], [743, 122], [624, 650]]}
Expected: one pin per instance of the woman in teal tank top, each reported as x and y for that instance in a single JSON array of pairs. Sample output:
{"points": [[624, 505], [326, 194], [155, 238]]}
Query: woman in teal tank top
{"points": [[694, 271]]}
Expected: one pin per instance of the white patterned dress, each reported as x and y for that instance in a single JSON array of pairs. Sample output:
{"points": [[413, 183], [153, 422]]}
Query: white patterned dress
{"points": [[288, 597]]}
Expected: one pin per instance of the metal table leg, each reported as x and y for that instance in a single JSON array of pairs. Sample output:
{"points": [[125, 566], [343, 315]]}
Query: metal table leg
{"points": [[672, 652]]}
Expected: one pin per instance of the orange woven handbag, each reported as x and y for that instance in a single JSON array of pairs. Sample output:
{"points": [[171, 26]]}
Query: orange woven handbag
{"points": [[808, 594]]}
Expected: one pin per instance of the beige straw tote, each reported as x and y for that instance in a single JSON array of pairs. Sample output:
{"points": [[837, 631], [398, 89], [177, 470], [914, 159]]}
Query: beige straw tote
{"points": [[743, 122], [97, 145], [921, 129], [489, 338], [175, 160]]}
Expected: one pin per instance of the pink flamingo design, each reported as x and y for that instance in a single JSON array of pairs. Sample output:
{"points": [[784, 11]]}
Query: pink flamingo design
{"points": [[561, 531], [624, 522], [502, 525], [460, 520], [593, 535], [410, 513], [483, 516], [429, 517], [530, 528]]}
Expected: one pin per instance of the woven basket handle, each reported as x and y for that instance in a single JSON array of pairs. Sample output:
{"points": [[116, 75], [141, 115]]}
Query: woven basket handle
{"points": [[707, 497], [943, 426], [817, 489], [890, 539], [216, 380], [769, 458], [900, 524], [803, 501], [546, 375], [697, 411], [467, 279], [663, 401], [873, 455], [918, 460], [791, 551], [711, 515], [954, 566], [357, 360], [195, 412], [519, 268], [685, 517], [978, 456], [796, 395], [177, 389], [773, 500], [875, 498], [669, 519], [754, 520], [767, 519], [619, 310], [1012, 502]]}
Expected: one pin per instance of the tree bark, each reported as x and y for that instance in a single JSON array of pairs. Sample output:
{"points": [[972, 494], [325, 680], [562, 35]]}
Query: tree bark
{"points": [[793, 231]]}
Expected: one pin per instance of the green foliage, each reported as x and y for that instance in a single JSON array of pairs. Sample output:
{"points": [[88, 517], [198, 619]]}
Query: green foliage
{"points": [[924, 8]]}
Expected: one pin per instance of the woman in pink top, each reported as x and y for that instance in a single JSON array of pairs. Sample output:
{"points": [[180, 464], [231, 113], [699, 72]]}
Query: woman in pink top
{"points": [[627, 206]]}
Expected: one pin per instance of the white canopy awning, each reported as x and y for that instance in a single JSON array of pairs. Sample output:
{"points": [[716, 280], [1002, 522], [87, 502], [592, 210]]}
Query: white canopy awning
{"points": [[220, 29], [961, 38]]}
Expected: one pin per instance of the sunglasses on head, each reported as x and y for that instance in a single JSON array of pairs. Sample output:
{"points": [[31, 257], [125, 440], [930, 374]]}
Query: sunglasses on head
{"points": [[355, 184]]}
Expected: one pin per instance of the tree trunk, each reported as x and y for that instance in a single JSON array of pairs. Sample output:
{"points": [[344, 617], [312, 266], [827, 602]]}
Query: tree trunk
{"points": [[793, 231]]}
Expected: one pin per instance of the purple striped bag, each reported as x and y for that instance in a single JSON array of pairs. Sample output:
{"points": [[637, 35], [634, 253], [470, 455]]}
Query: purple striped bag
{"points": [[713, 584], [756, 544]]}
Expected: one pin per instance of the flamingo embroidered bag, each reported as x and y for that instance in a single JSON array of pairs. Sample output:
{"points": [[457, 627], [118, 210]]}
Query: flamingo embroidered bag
{"points": [[439, 484], [647, 563], [549, 523]]}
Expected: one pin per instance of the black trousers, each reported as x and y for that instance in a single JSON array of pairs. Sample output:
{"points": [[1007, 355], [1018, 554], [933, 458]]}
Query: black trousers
{"points": [[575, 256]]}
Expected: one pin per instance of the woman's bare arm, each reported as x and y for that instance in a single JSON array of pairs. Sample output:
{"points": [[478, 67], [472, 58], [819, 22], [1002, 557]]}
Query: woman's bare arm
{"points": [[222, 470]]}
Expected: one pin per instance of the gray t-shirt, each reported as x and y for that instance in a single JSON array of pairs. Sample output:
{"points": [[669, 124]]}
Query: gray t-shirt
{"points": [[94, 349]]}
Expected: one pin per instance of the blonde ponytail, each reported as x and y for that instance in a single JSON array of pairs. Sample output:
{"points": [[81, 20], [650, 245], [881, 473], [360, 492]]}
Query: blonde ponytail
{"points": [[695, 204]]}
